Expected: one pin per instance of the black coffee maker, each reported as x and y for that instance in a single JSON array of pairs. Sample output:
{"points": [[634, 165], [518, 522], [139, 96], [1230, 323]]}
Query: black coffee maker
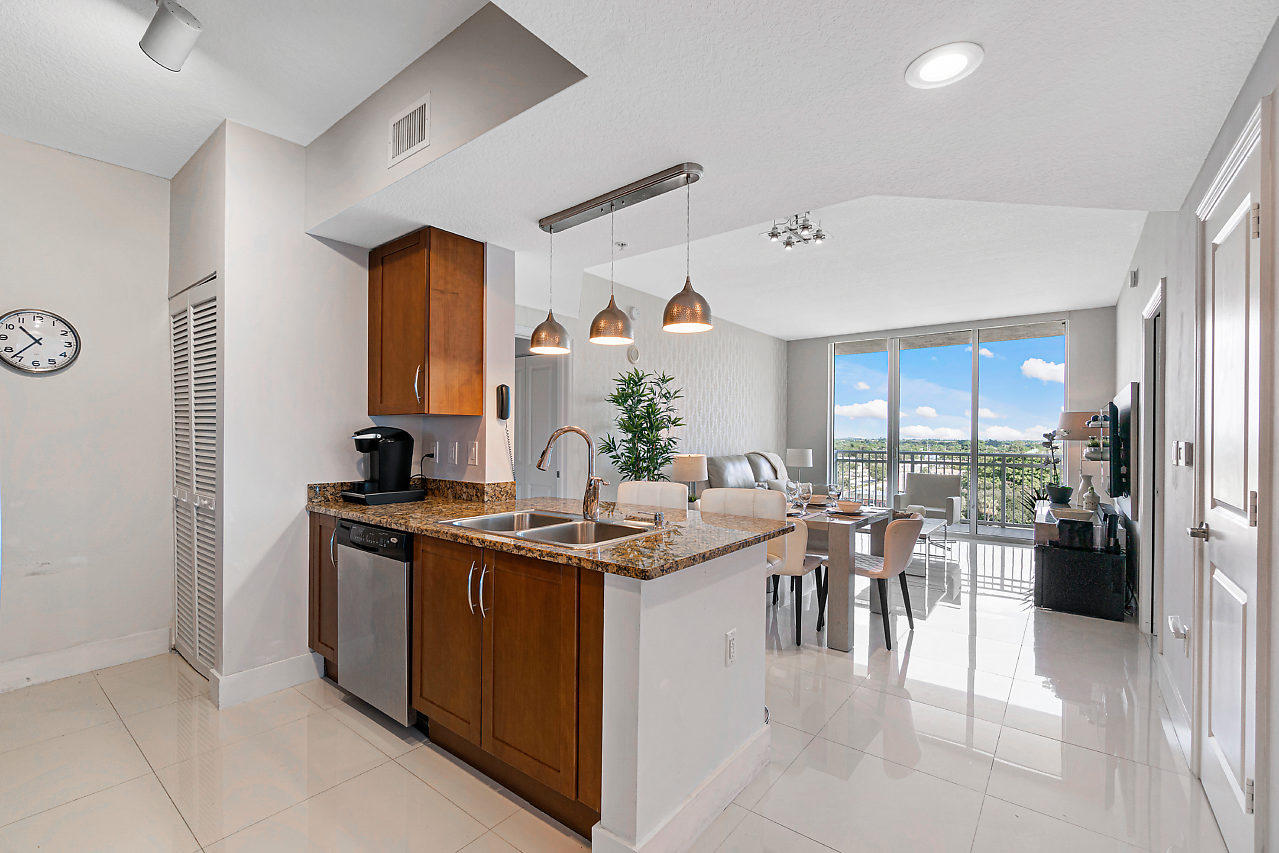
{"points": [[390, 460]]}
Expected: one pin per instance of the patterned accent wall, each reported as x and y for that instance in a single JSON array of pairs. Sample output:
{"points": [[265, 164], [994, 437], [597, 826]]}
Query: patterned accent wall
{"points": [[734, 380]]}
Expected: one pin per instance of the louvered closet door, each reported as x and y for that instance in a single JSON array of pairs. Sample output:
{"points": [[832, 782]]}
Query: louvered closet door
{"points": [[194, 338]]}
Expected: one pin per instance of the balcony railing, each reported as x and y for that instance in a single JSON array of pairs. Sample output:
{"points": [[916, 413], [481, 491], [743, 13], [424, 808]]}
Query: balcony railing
{"points": [[1004, 480]]}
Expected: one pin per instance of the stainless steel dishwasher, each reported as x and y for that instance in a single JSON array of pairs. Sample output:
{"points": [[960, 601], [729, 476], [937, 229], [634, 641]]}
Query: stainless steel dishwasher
{"points": [[375, 570]]}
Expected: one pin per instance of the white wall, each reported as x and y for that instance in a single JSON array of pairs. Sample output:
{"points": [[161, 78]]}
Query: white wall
{"points": [[86, 546], [295, 356], [486, 71], [1168, 249], [734, 381], [1090, 353], [197, 215]]}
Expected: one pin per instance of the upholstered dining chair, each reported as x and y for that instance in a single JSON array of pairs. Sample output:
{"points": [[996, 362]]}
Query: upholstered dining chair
{"points": [[653, 493], [899, 547], [786, 554]]}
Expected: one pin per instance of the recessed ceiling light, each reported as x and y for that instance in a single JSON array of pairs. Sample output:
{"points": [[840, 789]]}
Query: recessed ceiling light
{"points": [[944, 65]]}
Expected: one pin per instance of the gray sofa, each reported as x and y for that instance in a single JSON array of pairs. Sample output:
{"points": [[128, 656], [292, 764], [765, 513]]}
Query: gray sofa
{"points": [[744, 471]]}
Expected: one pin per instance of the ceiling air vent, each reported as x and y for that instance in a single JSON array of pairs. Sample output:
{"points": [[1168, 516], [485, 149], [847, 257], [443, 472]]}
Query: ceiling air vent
{"points": [[409, 131]]}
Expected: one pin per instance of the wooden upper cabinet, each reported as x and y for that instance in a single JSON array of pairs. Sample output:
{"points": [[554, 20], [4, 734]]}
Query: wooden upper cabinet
{"points": [[426, 325], [530, 701]]}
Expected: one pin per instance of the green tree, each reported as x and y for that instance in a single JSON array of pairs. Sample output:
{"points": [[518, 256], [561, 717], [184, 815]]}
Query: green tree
{"points": [[646, 414]]}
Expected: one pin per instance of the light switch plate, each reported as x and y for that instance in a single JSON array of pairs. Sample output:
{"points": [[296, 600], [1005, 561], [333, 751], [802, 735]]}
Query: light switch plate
{"points": [[730, 647], [473, 455], [453, 453]]}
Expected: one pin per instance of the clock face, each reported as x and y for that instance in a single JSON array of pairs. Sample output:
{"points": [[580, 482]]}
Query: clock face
{"points": [[37, 341]]}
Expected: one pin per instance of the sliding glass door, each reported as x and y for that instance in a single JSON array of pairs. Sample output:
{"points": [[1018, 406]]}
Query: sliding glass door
{"points": [[972, 404]]}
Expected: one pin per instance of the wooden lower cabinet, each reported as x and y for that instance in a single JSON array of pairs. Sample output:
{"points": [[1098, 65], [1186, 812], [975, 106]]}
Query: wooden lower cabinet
{"points": [[448, 634], [507, 664], [322, 607]]}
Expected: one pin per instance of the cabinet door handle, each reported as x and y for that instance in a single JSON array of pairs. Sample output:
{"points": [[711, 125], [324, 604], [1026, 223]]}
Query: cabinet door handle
{"points": [[469, 602], [332, 557], [483, 572], [417, 384]]}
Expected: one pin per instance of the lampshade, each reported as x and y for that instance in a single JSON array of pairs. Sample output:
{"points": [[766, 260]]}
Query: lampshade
{"points": [[687, 312], [611, 327], [799, 457], [1072, 426], [550, 338], [689, 468]]}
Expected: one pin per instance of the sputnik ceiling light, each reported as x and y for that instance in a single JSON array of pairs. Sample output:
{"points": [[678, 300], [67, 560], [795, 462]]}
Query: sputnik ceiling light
{"points": [[550, 338], [688, 311], [797, 230], [171, 35], [611, 327]]}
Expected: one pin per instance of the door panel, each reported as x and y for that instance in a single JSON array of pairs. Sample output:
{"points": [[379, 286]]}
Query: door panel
{"points": [[456, 341], [397, 327], [530, 667], [324, 588], [447, 635], [537, 395], [1230, 406]]}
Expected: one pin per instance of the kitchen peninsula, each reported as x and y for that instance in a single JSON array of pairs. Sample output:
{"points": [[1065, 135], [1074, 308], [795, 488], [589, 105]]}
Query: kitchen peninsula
{"points": [[618, 687]]}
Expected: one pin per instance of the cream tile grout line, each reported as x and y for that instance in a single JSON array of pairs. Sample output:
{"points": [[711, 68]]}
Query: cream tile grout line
{"points": [[138, 747]]}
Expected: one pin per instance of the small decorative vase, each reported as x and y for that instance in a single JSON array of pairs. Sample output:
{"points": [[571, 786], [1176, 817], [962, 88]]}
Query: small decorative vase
{"points": [[1092, 500], [1085, 483]]}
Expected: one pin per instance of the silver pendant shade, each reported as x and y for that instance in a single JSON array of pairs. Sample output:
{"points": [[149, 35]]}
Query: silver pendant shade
{"points": [[688, 312], [550, 338], [611, 327]]}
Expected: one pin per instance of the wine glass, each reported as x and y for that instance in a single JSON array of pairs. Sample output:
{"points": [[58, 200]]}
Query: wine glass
{"points": [[805, 493], [833, 493], [792, 493]]}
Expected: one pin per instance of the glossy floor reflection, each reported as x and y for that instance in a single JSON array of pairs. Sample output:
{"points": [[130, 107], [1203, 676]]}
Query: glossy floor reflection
{"points": [[990, 727], [136, 758]]}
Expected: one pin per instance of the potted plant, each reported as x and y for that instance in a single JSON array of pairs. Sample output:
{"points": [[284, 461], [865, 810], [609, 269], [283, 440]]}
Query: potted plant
{"points": [[1056, 492], [646, 414]]}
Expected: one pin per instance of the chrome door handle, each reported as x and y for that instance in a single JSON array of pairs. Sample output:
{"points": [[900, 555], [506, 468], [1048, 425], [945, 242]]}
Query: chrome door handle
{"points": [[483, 571], [332, 557], [469, 602], [1200, 532], [417, 384]]}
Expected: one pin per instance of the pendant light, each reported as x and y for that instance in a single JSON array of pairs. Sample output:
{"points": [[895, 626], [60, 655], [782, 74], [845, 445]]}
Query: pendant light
{"points": [[688, 311], [611, 327], [550, 338]]}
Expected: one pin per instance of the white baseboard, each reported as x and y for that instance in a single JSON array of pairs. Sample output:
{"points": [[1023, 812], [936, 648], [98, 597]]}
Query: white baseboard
{"points": [[228, 690], [701, 808], [86, 657], [1176, 706]]}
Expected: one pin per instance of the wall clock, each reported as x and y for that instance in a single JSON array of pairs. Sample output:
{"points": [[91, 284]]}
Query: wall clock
{"points": [[37, 341]]}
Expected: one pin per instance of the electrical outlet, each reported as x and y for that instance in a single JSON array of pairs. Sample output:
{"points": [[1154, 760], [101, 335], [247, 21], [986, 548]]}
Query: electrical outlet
{"points": [[473, 455], [453, 453], [730, 647]]}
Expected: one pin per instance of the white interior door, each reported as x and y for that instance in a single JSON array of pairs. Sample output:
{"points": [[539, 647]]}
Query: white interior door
{"points": [[194, 367], [1231, 410], [538, 381]]}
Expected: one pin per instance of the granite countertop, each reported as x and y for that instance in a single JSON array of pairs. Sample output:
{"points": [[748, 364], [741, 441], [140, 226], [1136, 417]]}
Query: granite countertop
{"points": [[686, 540]]}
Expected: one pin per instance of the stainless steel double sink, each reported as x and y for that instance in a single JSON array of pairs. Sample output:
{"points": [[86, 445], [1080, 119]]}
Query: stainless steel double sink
{"points": [[556, 528]]}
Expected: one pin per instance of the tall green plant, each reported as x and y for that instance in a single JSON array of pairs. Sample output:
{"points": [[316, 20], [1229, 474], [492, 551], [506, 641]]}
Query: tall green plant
{"points": [[646, 414]]}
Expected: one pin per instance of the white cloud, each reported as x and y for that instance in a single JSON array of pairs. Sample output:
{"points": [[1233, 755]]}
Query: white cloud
{"points": [[926, 411], [1044, 371], [870, 409], [921, 431], [999, 432], [862, 386], [983, 352], [984, 412]]}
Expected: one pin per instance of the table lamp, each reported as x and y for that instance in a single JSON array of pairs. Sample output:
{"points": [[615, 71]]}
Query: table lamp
{"points": [[689, 468], [799, 457]]}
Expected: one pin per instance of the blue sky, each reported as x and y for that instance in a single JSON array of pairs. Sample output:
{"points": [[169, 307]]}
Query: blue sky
{"points": [[1022, 391]]}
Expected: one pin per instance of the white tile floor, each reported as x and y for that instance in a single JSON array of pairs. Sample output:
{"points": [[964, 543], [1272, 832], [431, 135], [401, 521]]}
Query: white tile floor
{"points": [[990, 727]]}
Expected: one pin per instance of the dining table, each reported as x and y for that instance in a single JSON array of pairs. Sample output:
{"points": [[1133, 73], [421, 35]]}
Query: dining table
{"points": [[834, 535]]}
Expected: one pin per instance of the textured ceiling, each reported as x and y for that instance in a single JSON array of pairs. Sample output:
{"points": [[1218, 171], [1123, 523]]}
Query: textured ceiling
{"points": [[75, 79], [796, 105], [901, 262]]}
